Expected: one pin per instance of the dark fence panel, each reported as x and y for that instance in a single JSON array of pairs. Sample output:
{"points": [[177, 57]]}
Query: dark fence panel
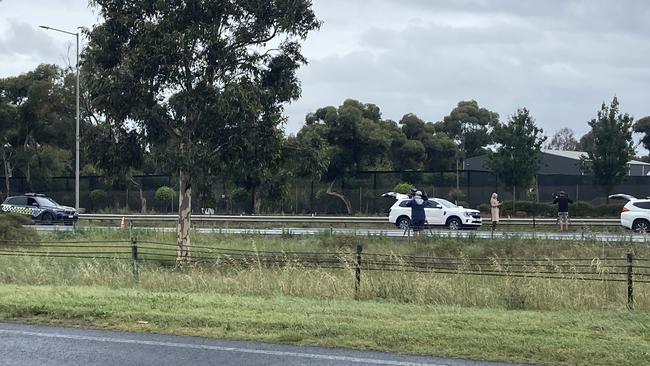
{"points": [[303, 196]]}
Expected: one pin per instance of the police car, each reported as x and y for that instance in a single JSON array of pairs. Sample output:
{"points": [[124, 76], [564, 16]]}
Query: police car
{"points": [[41, 208]]}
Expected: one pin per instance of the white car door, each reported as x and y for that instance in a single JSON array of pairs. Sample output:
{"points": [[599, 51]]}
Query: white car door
{"points": [[434, 212]]}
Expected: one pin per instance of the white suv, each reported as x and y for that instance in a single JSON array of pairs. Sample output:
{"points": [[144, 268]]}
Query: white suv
{"points": [[636, 213], [439, 212]]}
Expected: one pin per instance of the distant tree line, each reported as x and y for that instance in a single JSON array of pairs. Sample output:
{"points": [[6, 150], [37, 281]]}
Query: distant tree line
{"points": [[37, 119]]}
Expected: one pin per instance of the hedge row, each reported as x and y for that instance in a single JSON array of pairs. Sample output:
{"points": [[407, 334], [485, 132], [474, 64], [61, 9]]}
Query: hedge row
{"points": [[577, 209]]}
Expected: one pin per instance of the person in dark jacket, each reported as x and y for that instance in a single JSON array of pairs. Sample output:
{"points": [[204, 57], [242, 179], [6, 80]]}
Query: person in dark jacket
{"points": [[418, 217], [562, 200]]}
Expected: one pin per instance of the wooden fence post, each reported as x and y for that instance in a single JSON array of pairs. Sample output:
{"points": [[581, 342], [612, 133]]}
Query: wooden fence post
{"points": [[630, 281], [357, 272], [134, 259]]}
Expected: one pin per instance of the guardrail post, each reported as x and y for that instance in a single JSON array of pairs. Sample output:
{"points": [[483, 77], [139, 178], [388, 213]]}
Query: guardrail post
{"points": [[630, 281], [357, 272], [134, 259]]}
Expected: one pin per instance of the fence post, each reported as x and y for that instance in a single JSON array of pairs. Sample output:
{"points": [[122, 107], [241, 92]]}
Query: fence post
{"points": [[630, 281], [134, 259], [357, 272]]}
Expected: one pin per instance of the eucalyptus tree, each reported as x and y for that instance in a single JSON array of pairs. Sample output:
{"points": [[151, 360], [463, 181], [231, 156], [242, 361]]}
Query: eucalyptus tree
{"points": [[36, 113], [193, 74]]}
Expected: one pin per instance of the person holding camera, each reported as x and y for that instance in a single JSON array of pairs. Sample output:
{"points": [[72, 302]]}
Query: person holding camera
{"points": [[418, 215], [562, 200], [494, 210]]}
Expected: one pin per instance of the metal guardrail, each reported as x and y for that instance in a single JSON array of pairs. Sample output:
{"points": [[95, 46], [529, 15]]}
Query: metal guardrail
{"points": [[328, 219]]}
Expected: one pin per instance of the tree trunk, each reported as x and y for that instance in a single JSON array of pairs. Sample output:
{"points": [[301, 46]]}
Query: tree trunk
{"points": [[28, 178], [143, 200], [7, 168], [348, 205], [184, 215], [257, 201]]}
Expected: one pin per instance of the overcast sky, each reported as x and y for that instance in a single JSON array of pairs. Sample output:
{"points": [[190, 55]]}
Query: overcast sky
{"points": [[559, 58]]}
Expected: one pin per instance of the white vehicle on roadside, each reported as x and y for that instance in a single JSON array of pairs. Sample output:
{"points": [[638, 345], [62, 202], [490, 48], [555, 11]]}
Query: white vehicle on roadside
{"points": [[439, 212], [636, 213]]}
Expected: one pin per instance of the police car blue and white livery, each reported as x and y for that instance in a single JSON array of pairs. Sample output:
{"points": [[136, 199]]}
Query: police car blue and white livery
{"points": [[41, 208]]}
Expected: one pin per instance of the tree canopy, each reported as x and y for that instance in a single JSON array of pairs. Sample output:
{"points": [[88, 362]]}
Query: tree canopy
{"points": [[612, 146], [468, 125], [517, 156], [36, 118], [564, 140], [195, 76]]}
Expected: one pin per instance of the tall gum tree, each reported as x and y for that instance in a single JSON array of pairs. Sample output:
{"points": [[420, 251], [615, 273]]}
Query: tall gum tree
{"points": [[612, 146], [188, 72]]}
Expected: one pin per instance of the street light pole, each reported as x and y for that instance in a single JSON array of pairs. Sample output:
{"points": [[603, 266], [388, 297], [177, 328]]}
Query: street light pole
{"points": [[76, 171]]}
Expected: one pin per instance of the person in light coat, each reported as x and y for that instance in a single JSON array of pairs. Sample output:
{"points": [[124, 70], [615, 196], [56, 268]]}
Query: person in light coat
{"points": [[494, 209]]}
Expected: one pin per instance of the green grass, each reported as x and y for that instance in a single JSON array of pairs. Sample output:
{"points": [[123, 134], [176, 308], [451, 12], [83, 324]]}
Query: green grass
{"points": [[571, 321], [552, 337]]}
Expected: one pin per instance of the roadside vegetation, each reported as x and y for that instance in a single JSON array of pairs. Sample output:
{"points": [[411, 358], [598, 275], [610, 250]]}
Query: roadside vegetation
{"points": [[534, 320]]}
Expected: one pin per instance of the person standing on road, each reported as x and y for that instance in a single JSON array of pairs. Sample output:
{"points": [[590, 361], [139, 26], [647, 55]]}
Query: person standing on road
{"points": [[563, 200], [418, 216], [494, 210]]}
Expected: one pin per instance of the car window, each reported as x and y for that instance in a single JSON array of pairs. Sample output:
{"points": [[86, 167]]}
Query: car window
{"points": [[446, 203], [18, 201], [431, 204], [46, 201], [643, 205], [403, 203], [31, 201]]}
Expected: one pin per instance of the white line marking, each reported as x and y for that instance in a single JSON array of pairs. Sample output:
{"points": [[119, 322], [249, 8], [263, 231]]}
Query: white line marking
{"points": [[219, 348]]}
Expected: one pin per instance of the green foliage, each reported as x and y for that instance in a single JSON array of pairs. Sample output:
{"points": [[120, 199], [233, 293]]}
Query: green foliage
{"points": [[37, 117], [98, 198], [421, 147], [563, 139], [456, 195], [164, 194], [484, 208], [642, 126], [239, 195], [612, 148], [529, 209], [577, 209], [517, 158], [203, 82], [467, 124], [11, 228], [403, 188]]}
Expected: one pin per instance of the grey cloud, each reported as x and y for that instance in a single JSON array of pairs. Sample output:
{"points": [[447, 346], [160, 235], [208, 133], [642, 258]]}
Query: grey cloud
{"points": [[23, 39]]}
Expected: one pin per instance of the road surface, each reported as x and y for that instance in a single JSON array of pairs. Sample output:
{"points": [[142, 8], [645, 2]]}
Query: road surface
{"points": [[392, 233], [27, 345]]}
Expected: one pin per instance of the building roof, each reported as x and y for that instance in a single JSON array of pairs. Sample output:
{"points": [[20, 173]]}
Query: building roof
{"points": [[576, 155]]}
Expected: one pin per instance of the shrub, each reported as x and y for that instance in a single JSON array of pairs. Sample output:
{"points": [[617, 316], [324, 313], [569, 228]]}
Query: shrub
{"points": [[581, 209], [456, 195], [608, 210], [483, 207], [164, 194], [98, 198], [403, 188], [11, 228], [529, 208]]}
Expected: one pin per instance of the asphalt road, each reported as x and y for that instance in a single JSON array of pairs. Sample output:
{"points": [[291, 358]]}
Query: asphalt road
{"points": [[393, 233], [27, 345]]}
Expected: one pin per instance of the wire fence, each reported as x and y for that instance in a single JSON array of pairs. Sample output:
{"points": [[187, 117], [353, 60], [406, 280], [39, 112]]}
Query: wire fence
{"points": [[627, 269]]}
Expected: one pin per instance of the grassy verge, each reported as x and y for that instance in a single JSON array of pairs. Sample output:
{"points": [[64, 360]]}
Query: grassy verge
{"points": [[557, 337]]}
